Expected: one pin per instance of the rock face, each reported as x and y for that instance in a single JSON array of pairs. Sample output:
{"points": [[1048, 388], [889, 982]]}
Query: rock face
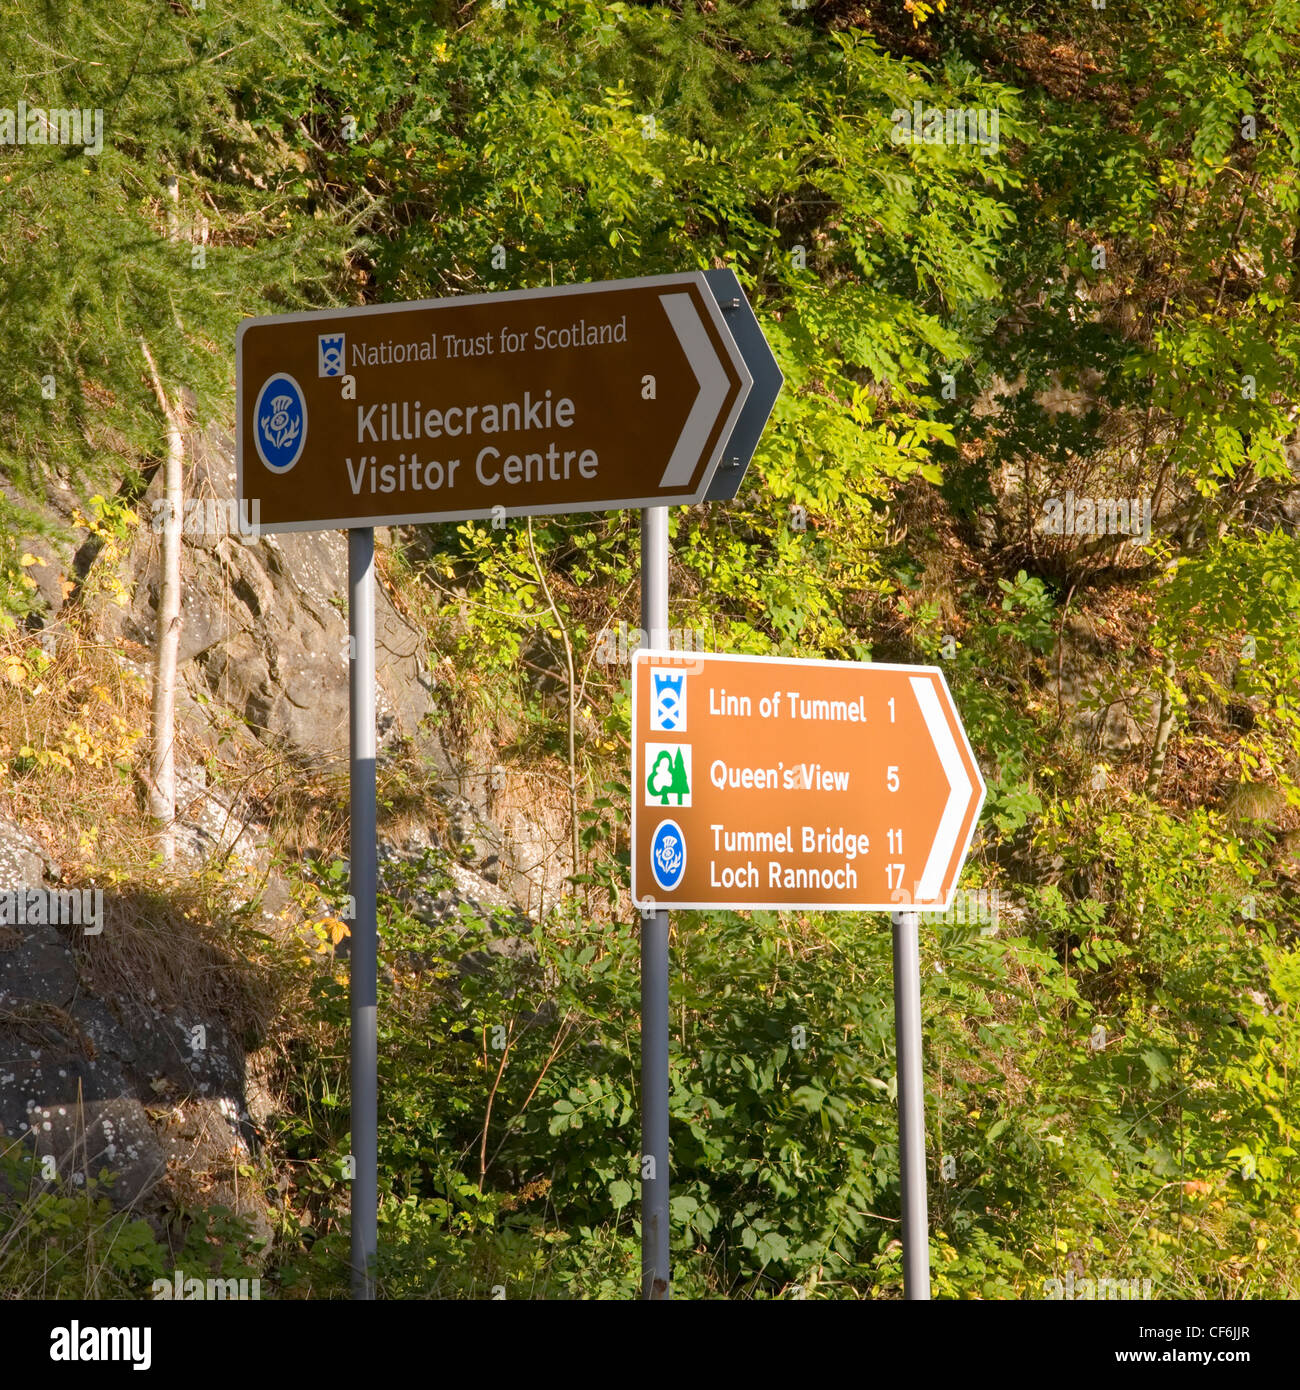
{"points": [[1109, 729], [98, 1084], [151, 1099], [98, 1074], [264, 637], [264, 625], [435, 889], [22, 860]]}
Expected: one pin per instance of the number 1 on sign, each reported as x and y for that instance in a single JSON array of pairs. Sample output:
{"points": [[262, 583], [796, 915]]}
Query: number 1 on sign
{"points": [[891, 709]]}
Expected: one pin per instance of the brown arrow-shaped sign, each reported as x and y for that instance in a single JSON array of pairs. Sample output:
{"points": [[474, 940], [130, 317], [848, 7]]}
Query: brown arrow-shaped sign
{"points": [[576, 398], [769, 782]]}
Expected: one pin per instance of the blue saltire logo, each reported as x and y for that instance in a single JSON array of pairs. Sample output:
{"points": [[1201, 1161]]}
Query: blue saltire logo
{"points": [[669, 709], [330, 349]]}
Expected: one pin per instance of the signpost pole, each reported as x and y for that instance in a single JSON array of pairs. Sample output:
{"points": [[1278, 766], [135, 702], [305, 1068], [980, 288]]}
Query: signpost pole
{"points": [[363, 873], [911, 1105], [654, 966], [322, 444]]}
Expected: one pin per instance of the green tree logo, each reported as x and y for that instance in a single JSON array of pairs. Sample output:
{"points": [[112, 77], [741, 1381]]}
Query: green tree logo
{"points": [[668, 778]]}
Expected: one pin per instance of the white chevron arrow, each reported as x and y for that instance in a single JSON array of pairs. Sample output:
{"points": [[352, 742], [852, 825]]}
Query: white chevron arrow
{"points": [[959, 790], [713, 384]]}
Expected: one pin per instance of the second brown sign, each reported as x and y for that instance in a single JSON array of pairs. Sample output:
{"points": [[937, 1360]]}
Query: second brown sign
{"points": [[770, 782]]}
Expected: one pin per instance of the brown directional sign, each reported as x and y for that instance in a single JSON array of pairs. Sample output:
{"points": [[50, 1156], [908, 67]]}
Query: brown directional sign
{"points": [[576, 398], [771, 783]]}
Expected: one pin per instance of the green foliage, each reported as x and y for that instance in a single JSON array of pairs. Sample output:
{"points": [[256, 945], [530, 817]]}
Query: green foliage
{"points": [[68, 1240], [69, 1244], [1109, 1064], [547, 131], [512, 1147], [100, 256], [1228, 616]]}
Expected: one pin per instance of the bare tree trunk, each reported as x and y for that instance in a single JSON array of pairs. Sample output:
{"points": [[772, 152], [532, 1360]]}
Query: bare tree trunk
{"points": [[162, 759], [573, 699], [1164, 727]]}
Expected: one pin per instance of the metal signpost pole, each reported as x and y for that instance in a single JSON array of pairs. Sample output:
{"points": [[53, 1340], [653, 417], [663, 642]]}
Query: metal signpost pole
{"points": [[905, 777], [911, 1105], [643, 387], [363, 872], [654, 965]]}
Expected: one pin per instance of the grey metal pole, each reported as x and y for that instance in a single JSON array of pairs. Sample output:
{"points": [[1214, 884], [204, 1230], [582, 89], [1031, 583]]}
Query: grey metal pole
{"points": [[363, 873], [654, 967], [911, 1105]]}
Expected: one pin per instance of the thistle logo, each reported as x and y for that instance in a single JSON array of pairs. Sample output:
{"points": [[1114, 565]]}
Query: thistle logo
{"points": [[668, 855], [331, 349], [281, 416], [668, 709]]}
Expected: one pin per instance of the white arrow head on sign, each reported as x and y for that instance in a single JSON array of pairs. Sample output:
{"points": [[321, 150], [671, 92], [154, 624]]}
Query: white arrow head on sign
{"points": [[960, 790], [713, 384]]}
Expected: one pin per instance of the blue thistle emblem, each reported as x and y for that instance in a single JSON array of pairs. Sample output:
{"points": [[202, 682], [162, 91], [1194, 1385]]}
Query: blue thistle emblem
{"points": [[281, 413]]}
